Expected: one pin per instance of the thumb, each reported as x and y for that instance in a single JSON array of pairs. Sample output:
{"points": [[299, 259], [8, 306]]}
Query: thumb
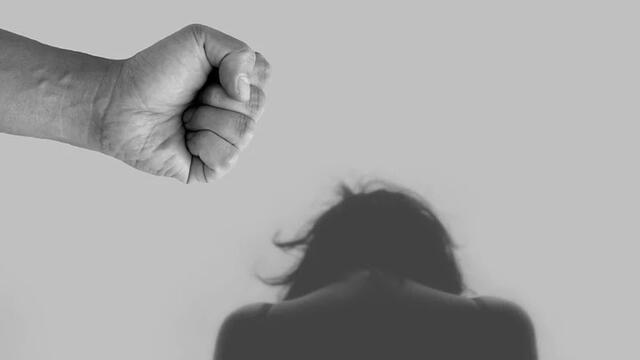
{"points": [[233, 58], [234, 74]]}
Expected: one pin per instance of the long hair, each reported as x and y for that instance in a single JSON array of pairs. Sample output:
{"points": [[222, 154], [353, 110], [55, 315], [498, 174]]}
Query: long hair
{"points": [[379, 226]]}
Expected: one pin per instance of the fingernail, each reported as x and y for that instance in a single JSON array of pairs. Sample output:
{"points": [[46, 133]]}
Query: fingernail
{"points": [[243, 87]]}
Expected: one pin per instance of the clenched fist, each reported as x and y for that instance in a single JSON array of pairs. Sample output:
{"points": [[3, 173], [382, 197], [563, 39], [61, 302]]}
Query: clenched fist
{"points": [[186, 106]]}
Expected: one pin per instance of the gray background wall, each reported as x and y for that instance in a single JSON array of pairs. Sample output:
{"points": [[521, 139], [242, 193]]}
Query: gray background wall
{"points": [[516, 120]]}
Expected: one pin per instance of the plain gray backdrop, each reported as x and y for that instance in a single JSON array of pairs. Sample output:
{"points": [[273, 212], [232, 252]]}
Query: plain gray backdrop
{"points": [[517, 120]]}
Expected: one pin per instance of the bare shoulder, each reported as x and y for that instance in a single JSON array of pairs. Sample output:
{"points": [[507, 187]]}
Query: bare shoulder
{"points": [[247, 313], [510, 330], [239, 331], [503, 309]]}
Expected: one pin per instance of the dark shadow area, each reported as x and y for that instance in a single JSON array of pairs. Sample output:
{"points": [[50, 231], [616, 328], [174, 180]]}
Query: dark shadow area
{"points": [[378, 280]]}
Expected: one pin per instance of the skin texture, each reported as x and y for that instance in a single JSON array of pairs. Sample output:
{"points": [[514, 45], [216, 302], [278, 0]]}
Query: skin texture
{"points": [[184, 107], [147, 124]]}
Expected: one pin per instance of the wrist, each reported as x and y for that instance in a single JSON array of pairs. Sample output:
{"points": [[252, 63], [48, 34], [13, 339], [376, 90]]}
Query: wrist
{"points": [[52, 93], [103, 100], [93, 86]]}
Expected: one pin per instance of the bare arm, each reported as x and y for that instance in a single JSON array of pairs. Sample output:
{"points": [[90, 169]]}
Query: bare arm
{"points": [[184, 107], [52, 93]]}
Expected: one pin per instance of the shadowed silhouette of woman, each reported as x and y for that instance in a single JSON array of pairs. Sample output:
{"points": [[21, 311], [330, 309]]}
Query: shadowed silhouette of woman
{"points": [[378, 280]]}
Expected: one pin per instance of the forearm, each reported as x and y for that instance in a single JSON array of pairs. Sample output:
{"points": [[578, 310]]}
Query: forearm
{"points": [[52, 93]]}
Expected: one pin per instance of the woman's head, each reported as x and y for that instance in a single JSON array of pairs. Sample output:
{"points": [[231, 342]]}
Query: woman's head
{"points": [[379, 227]]}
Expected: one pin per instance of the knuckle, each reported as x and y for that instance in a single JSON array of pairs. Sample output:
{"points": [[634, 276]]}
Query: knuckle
{"points": [[256, 102], [211, 172], [216, 168], [264, 67], [230, 161], [242, 46], [196, 29], [197, 32], [246, 126], [250, 57], [267, 70], [224, 164]]}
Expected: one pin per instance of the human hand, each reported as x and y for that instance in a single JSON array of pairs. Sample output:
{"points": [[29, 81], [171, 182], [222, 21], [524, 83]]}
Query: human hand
{"points": [[186, 106]]}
